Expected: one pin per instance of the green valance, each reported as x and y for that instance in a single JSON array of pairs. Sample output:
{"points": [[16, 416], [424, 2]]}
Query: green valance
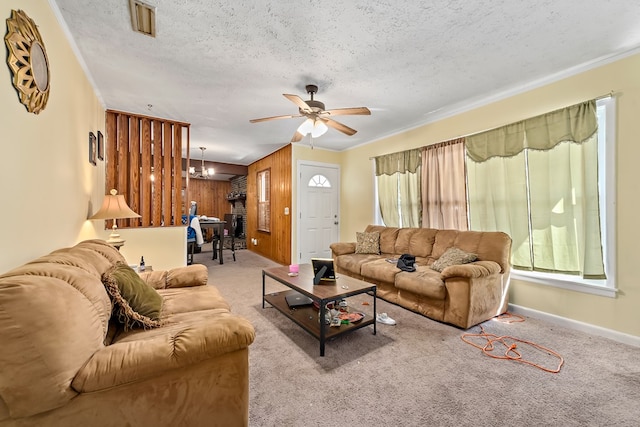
{"points": [[404, 161], [576, 123]]}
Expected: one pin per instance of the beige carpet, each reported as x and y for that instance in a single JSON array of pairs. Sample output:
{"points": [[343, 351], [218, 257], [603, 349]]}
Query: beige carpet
{"points": [[420, 372]]}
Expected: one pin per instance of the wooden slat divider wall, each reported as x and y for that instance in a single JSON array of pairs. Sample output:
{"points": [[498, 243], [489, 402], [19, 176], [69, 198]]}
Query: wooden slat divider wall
{"points": [[133, 198], [156, 217], [186, 180], [177, 172], [145, 197], [136, 147], [122, 184], [167, 173], [111, 151]]}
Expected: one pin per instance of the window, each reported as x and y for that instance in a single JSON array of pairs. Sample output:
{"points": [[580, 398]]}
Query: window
{"points": [[264, 203], [520, 193], [398, 188], [319, 181], [554, 201]]}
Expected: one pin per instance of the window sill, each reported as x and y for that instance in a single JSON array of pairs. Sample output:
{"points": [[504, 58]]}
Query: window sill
{"points": [[565, 282]]}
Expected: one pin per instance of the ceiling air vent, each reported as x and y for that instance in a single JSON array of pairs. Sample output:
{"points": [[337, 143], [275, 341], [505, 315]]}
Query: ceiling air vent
{"points": [[143, 18]]}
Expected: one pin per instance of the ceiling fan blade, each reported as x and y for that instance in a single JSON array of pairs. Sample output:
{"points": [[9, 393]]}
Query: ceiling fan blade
{"points": [[363, 111], [339, 126], [264, 119], [297, 137], [299, 102]]}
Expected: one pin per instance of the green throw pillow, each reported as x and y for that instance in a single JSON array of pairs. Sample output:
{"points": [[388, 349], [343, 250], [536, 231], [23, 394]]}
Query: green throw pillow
{"points": [[453, 256], [136, 303], [368, 243]]}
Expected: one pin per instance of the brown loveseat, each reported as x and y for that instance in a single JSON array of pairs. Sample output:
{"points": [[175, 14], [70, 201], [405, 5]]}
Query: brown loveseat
{"points": [[462, 295], [64, 361]]}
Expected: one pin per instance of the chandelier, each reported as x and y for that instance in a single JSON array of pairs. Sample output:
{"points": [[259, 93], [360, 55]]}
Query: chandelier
{"points": [[204, 172]]}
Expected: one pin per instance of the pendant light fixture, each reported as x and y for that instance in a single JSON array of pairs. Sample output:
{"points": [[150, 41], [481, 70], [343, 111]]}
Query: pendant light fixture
{"points": [[204, 171]]}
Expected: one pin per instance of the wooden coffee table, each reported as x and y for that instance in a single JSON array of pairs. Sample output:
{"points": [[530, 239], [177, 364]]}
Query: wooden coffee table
{"points": [[307, 317]]}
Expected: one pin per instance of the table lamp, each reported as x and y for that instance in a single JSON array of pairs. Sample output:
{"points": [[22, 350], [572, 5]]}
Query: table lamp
{"points": [[114, 207]]}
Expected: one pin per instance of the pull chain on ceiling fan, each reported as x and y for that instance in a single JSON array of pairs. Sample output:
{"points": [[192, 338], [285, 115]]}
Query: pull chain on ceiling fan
{"points": [[318, 120]]}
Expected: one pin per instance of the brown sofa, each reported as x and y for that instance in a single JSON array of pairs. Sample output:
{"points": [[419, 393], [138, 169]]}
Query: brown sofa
{"points": [[64, 361], [462, 295]]}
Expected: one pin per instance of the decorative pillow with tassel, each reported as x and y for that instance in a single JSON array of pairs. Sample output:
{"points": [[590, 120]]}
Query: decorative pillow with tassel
{"points": [[136, 304]]}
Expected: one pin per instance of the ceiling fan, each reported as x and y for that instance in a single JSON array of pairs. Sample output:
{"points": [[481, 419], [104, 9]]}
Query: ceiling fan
{"points": [[317, 117]]}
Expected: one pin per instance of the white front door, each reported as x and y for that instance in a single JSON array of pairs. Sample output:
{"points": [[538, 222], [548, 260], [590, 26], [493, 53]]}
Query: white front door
{"points": [[318, 198]]}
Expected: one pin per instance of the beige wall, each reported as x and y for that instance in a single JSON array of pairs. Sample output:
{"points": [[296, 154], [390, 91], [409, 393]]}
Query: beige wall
{"points": [[48, 186], [623, 77]]}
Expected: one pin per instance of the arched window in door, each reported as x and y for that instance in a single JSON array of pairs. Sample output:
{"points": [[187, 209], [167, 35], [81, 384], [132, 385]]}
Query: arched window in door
{"points": [[319, 181]]}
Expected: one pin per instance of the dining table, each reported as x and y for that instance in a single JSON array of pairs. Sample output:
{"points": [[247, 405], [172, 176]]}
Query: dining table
{"points": [[218, 234]]}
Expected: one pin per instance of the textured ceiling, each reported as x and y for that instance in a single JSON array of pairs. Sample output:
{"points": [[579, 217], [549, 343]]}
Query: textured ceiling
{"points": [[217, 64]]}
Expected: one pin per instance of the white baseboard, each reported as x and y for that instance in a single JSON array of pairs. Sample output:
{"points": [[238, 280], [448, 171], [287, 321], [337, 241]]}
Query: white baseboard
{"points": [[577, 325]]}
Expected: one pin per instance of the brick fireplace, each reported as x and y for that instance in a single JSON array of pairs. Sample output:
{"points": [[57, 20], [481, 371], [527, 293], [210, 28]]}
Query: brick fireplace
{"points": [[237, 198]]}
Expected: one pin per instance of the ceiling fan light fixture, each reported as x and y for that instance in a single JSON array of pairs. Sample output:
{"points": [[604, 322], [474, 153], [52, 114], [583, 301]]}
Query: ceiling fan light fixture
{"points": [[306, 127], [319, 129], [314, 127]]}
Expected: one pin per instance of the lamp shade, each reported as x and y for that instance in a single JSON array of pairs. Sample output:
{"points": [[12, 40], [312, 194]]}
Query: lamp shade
{"points": [[315, 127], [306, 127], [114, 207], [319, 129]]}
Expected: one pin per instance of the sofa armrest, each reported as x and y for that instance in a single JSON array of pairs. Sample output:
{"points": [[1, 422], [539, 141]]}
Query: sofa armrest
{"points": [[158, 350], [471, 270], [180, 277], [343, 248]]}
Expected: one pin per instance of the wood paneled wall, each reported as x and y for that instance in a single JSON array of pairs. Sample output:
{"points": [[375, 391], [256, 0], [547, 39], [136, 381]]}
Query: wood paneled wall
{"points": [[275, 244], [210, 195]]}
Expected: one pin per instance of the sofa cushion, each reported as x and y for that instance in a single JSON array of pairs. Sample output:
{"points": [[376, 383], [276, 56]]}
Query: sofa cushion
{"points": [[342, 248], [380, 271], [368, 243], [353, 263], [424, 281], [144, 354], [415, 241], [184, 300], [453, 256], [136, 303], [190, 275]]}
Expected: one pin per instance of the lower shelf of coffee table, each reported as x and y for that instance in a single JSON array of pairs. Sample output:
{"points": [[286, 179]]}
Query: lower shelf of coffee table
{"points": [[307, 316]]}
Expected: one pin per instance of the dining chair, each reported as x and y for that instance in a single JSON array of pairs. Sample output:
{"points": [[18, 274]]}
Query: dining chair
{"points": [[228, 240]]}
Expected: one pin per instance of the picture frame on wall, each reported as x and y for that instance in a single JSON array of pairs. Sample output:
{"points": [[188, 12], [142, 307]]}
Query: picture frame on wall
{"points": [[100, 146], [92, 148]]}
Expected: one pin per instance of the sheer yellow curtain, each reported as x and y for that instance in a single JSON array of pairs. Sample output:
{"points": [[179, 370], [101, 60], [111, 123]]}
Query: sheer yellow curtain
{"points": [[444, 198], [399, 195], [537, 180], [565, 218], [388, 199], [498, 202]]}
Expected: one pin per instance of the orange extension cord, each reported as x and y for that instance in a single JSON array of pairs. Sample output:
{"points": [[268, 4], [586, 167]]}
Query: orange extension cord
{"points": [[508, 318], [511, 353]]}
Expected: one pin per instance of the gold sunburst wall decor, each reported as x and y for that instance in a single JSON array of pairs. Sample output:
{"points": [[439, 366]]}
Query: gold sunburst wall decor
{"points": [[28, 61]]}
